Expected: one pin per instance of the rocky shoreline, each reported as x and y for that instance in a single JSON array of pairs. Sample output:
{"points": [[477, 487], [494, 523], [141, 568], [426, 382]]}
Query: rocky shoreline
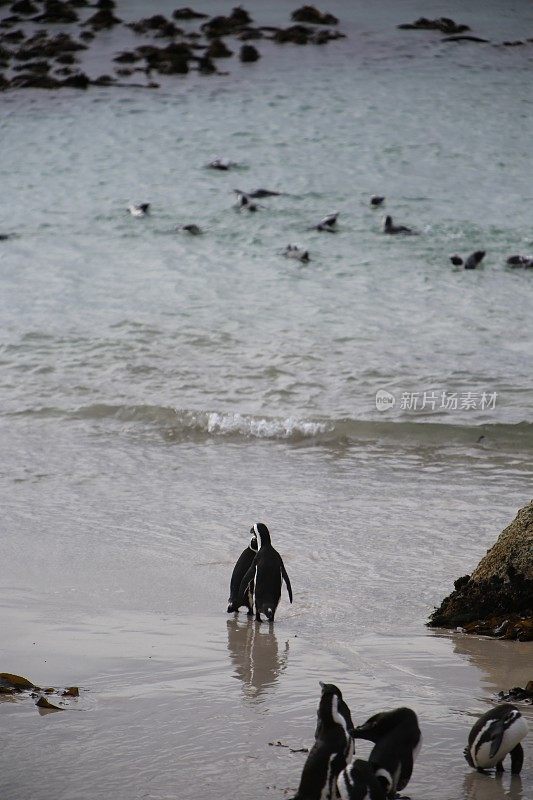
{"points": [[45, 60], [497, 598]]}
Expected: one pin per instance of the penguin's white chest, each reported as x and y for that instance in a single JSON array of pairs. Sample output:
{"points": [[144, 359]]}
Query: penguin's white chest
{"points": [[512, 736]]}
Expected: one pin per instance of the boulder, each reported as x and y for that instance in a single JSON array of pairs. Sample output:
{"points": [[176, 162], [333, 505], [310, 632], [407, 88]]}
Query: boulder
{"points": [[217, 49], [248, 54], [444, 24], [497, 598], [313, 16], [187, 13], [24, 7]]}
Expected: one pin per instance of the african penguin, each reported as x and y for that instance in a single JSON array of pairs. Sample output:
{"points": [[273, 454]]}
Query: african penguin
{"points": [[221, 163], [496, 733], [296, 252], [333, 746], [266, 571], [235, 599], [258, 193], [358, 782], [397, 741], [390, 227], [376, 201], [520, 261], [193, 229], [140, 210], [244, 201], [473, 260], [328, 223]]}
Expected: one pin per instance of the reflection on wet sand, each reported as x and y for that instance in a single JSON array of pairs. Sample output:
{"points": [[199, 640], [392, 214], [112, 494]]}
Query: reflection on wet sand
{"points": [[492, 787], [505, 664], [254, 652]]}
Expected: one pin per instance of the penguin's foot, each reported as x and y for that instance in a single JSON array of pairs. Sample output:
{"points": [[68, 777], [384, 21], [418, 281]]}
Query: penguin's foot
{"points": [[249, 613], [499, 767], [258, 617]]}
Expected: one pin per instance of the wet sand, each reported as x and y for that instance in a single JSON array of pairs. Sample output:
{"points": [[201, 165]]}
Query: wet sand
{"points": [[183, 707]]}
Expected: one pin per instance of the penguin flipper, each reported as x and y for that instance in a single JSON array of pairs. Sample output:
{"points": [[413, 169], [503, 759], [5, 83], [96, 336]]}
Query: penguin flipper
{"points": [[497, 731], [405, 772], [468, 757], [248, 578], [287, 581], [517, 759]]}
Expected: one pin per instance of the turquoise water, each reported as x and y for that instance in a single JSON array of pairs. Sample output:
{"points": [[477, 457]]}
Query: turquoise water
{"points": [[159, 393]]}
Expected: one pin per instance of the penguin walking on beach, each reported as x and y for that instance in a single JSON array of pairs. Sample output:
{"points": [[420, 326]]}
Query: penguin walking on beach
{"points": [[497, 733], [332, 748], [397, 741], [266, 571], [358, 782], [235, 599]]}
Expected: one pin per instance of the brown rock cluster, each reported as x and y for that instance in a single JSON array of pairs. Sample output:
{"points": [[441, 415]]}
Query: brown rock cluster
{"points": [[497, 598]]}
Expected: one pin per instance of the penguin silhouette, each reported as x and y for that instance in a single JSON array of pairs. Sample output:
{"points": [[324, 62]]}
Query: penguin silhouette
{"points": [[333, 746], [397, 740], [235, 599], [358, 782], [266, 571], [494, 735]]}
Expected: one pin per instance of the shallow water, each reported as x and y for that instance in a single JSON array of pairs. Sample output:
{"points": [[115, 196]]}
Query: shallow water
{"points": [[159, 394]]}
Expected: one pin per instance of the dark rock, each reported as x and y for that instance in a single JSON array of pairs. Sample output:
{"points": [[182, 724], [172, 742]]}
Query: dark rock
{"points": [[106, 5], [127, 57], [32, 81], [188, 13], [40, 46], [42, 67], [87, 36], [13, 36], [175, 66], [250, 34], [517, 694], [217, 49], [155, 23], [66, 58], [103, 80], [4, 83], [516, 43], [5, 54], [168, 31], [322, 37], [123, 72], [206, 66], [226, 26], [464, 39], [57, 12], [460, 582], [313, 15], [497, 599], [248, 54], [8, 22], [64, 71], [103, 19], [24, 7], [297, 34], [443, 24], [77, 81]]}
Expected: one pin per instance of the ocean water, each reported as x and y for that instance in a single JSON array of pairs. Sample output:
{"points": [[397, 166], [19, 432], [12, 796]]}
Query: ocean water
{"points": [[159, 393]]}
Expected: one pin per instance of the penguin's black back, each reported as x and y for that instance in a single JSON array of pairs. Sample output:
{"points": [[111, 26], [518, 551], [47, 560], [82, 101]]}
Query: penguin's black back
{"points": [[267, 578], [244, 562], [494, 714], [383, 723], [327, 757]]}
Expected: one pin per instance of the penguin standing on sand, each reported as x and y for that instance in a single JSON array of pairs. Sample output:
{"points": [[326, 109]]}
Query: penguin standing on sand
{"points": [[358, 782], [235, 599], [397, 740], [333, 746], [266, 572], [495, 734]]}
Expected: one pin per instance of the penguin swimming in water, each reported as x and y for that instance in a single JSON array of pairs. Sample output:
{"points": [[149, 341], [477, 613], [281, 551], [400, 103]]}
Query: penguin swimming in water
{"points": [[494, 735], [358, 782], [296, 252], [397, 740], [244, 201], [235, 599], [333, 746], [376, 201], [473, 260], [390, 227], [267, 571], [140, 210], [328, 223]]}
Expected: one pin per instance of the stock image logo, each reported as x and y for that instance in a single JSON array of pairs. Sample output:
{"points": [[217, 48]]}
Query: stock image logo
{"points": [[385, 401]]}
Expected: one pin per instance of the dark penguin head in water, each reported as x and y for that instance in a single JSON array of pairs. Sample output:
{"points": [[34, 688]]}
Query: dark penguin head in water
{"points": [[328, 223], [473, 260], [376, 201], [496, 733], [193, 229], [244, 201]]}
